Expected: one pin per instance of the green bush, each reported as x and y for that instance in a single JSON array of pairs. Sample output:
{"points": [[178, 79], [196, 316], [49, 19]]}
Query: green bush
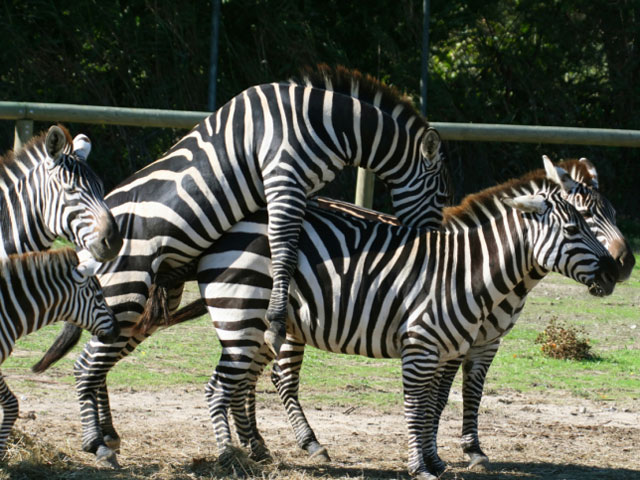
{"points": [[564, 342]]}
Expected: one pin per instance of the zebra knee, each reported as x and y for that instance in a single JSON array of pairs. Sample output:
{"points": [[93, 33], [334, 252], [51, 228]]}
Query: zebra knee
{"points": [[275, 376]]}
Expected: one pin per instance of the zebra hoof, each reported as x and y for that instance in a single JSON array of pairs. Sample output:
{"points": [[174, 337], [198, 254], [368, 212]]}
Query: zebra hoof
{"points": [[112, 442], [478, 461], [261, 454], [106, 458], [318, 452], [425, 476], [436, 465], [235, 461]]}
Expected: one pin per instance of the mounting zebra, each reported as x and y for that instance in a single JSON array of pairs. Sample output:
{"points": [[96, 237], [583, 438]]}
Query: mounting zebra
{"points": [[386, 291], [270, 145], [37, 289], [47, 190]]}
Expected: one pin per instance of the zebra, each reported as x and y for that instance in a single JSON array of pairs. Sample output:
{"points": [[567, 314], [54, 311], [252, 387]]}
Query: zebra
{"points": [[47, 190], [235, 162], [583, 193], [37, 289], [387, 291]]}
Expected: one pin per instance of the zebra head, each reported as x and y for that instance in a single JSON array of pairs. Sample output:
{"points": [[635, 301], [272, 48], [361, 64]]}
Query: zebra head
{"points": [[562, 241], [74, 206], [431, 183], [579, 182], [88, 308]]}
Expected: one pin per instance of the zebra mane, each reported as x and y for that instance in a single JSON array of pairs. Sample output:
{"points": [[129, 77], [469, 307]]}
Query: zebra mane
{"points": [[61, 258], [35, 143], [582, 171], [364, 87], [471, 207]]}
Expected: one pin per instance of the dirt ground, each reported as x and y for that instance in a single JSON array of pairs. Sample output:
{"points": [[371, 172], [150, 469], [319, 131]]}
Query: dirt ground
{"points": [[168, 433]]}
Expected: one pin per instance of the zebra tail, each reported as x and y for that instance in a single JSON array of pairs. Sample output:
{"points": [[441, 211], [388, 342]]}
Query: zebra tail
{"points": [[191, 311], [64, 342], [155, 313]]}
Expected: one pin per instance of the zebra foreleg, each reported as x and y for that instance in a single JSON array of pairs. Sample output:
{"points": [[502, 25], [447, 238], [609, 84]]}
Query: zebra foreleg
{"points": [[285, 376], [418, 371], [286, 205], [445, 377], [10, 410], [475, 367], [91, 370], [109, 434]]}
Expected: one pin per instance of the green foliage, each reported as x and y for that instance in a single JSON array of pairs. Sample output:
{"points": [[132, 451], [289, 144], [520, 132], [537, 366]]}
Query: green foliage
{"points": [[570, 63]]}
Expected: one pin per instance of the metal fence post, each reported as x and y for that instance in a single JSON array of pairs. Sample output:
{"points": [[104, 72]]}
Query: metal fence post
{"points": [[22, 133], [364, 188]]}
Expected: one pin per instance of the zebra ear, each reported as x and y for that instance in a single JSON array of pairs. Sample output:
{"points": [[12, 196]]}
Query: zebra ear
{"points": [[82, 146], [430, 146], [88, 268], [55, 142], [591, 168], [527, 203], [558, 175]]}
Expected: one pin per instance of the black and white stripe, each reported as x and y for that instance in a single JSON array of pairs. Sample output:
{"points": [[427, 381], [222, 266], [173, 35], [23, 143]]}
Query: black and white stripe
{"points": [[379, 290], [47, 190], [271, 145], [37, 289]]}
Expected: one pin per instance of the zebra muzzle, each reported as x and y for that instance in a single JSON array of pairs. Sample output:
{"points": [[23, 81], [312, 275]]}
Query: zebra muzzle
{"points": [[605, 278], [109, 335]]}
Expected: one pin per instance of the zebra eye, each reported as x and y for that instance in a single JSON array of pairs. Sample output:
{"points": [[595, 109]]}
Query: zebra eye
{"points": [[571, 229]]}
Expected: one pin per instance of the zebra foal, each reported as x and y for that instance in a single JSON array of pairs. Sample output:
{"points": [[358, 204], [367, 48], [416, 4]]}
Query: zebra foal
{"points": [[37, 289], [386, 291]]}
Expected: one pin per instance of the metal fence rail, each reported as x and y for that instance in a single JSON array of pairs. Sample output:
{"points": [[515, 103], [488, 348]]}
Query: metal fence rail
{"points": [[25, 113]]}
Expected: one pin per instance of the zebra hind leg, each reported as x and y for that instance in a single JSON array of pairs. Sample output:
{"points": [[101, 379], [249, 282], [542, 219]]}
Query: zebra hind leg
{"points": [[285, 376], [220, 393], [243, 408], [10, 408], [259, 450]]}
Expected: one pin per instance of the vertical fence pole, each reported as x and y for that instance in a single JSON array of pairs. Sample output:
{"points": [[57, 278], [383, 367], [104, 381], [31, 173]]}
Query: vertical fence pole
{"points": [[213, 59], [22, 133], [365, 183], [425, 57]]}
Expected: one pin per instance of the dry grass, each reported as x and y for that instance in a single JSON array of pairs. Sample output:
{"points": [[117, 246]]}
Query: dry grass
{"points": [[565, 342]]}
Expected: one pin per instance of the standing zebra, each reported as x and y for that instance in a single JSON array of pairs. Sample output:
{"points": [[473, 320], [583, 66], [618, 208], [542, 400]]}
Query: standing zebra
{"points": [[271, 145], [385, 291], [37, 289], [599, 214], [47, 190], [581, 190]]}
